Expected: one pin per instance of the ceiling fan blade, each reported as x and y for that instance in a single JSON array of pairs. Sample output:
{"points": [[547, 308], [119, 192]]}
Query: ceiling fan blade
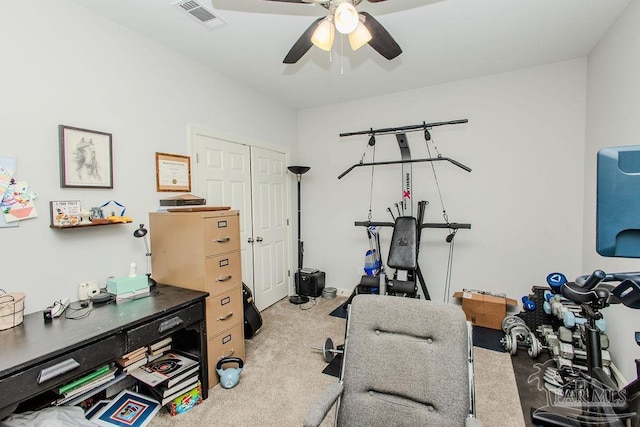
{"points": [[306, 1], [376, 1], [302, 45], [382, 41]]}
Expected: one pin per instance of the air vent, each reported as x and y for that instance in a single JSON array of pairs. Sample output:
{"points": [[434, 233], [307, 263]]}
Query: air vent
{"points": [[197, 11]]}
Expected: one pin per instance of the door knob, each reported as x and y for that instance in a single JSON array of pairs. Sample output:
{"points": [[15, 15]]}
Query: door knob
{"points": [[258, 239], [250, 240]]}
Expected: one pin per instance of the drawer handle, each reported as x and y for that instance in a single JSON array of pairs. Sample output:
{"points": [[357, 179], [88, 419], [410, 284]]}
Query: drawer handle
{"points": [[223, 279], [56, 370], [170, 324], [225, 317], [223, 239]]}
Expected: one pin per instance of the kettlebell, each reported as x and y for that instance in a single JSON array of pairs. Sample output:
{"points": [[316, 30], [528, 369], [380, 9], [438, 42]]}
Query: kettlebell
{"points": [[229, 377]]}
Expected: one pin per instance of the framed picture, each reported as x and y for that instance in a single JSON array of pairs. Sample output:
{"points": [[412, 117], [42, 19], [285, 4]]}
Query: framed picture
{"points": [[96, 408], [65, 213], [127, 409], [173, 172], [85, 158]]}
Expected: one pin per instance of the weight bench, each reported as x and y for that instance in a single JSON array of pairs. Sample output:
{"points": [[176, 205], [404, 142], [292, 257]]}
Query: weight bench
{"points": [[403, 256]]}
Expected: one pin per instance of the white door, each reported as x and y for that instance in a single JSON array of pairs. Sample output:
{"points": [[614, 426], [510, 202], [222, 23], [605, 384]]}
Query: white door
{"points": [[223, 176], [270, 251]]}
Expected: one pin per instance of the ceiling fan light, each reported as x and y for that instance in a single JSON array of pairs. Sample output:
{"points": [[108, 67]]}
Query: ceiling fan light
{"points": [[323, 35], [346, 18], [359, 37]]}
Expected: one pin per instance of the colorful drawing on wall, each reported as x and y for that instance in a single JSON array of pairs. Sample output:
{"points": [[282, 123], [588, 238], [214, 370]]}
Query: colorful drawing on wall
{"points": [[17, 203], [7, 170]]}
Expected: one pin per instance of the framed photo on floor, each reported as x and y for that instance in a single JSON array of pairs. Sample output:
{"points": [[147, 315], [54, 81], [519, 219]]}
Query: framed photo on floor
{"points": [[86, 159], [127, 409]]}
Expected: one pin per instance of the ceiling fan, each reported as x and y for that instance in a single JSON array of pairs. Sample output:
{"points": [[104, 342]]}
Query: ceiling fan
{"points": [[361, 28]]}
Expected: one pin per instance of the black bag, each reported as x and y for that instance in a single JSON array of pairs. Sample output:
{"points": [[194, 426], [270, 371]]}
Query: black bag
{"points": [[252, 317]]}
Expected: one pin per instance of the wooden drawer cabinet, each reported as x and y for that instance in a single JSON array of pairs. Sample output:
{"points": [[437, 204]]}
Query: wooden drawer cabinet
{"points": [[201, 251], [221, 235], [229, 343], [223, 273], [224, 311]]}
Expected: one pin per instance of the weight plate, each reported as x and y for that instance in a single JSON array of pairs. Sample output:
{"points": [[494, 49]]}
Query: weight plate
{"points": [[514, 343], [326, 353], [520, 331], [534, 346], [511, 321], [506, 343]]}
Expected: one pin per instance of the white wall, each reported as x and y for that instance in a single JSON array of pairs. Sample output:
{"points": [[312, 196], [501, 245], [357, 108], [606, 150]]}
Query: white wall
{"points": [[525, 144], [61, 64], [613, 107]]}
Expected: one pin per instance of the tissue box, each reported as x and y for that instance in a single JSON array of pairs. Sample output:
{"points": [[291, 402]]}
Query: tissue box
{"points": [[483, 308], [124, 285]]}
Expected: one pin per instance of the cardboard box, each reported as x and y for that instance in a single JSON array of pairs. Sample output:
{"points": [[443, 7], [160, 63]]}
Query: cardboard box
{"points": [[483, 308]]}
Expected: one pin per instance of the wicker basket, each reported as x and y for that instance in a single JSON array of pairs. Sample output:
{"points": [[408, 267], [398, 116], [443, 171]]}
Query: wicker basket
{"points": [[11, 309]]}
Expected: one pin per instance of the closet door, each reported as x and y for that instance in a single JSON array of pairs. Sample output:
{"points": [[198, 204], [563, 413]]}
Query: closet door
{"points": [[252, 180], [270, 253], [223, 177]]}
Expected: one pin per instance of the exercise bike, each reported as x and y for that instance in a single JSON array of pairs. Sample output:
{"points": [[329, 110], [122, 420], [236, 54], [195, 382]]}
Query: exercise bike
{"points": [[593, 398]]}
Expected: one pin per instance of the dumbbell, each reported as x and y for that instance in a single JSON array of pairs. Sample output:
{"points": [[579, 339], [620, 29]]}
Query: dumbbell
{"points": [[555, 281], [570, 319], [518, 334], [528, 303], [328, 351]]}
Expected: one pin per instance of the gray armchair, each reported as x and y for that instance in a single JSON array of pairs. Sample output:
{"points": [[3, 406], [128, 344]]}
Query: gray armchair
{"points": [[406, 362]]}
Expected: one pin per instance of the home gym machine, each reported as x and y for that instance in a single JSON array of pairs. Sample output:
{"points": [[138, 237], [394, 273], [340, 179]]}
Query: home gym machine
{"points": [[407, 228]]}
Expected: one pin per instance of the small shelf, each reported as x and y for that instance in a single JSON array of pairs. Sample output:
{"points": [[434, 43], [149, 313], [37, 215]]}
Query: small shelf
{"points": [[64, 227]]}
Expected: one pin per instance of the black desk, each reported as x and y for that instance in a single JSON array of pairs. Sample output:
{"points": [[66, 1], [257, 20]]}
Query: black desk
{"points": [[110, 331]]}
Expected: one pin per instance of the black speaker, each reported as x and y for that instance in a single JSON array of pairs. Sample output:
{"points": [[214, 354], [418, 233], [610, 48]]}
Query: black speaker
{"points": [[310, 284]]}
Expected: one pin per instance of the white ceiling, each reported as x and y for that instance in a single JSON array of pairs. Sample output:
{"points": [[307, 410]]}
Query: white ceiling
{"points": [[442, 41]]}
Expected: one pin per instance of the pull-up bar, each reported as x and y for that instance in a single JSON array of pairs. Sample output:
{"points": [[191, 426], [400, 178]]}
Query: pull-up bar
{"points": [[392, 162], [423, 126], [451, 225], [404, 147]]}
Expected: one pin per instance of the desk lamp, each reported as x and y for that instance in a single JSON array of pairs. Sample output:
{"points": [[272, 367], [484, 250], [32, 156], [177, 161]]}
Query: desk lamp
{"points": [[299, 299], [142, 232]]}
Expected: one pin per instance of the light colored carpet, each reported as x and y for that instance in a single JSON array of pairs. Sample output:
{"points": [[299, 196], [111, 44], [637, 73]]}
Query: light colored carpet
{"points": [[282, 375]]}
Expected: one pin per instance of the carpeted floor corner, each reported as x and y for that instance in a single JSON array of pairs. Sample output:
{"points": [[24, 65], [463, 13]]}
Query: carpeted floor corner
{"points": [[282, 375]]}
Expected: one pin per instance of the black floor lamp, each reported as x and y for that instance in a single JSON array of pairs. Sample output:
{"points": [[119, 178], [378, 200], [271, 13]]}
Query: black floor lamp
{"points": [[299, 299]]}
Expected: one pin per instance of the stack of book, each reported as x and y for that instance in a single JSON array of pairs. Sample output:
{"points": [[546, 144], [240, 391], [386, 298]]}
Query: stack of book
{"points": [[133, 360], [173, 376], [143, 355], [86, 384], [158, 349]]}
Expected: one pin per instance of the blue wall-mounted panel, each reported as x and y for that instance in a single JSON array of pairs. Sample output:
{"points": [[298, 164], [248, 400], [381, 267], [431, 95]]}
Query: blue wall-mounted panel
{"points": [[618, 202]]}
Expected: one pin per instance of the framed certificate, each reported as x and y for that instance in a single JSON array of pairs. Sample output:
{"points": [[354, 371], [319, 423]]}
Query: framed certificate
{"points": [[173, 172]]}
